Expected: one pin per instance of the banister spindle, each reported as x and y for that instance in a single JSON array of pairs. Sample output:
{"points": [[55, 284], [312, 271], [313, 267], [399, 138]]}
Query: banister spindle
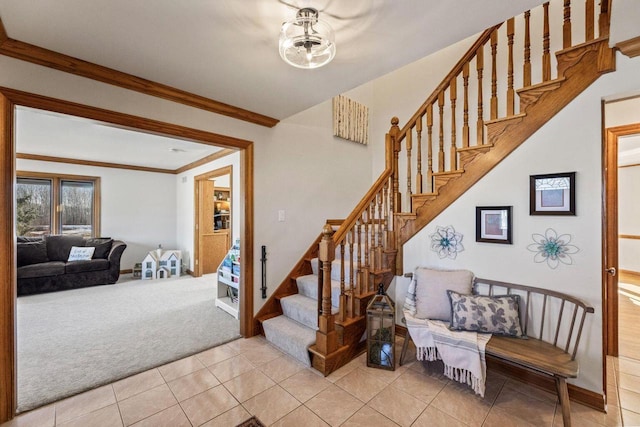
{"points": [[465, 106], [510, 91], [546, 56], [430, 146], [441, 129], [453, 150], [480, 122], [419, 156], [352, 287], [566, 25], [603, 19], [393, 135], [494, 75], [526, 67], [380, 245], [589, 20], [409, 145], [359, 278], [342, 313]]}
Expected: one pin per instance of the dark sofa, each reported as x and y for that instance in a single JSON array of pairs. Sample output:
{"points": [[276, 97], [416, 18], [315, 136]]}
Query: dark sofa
{"points": [[43, 266]]}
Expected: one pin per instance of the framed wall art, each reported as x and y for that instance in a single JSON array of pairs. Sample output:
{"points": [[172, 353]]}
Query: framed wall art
{"points": [[552, 194], [493, 224]]}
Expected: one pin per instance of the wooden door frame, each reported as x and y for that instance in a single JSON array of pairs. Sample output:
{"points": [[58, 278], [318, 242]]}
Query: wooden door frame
{"points": [[225, 170], [610, 230], [9, 99]]}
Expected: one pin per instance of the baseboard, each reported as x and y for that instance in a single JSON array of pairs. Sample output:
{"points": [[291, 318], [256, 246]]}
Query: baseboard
{"points": [[577, 394]]}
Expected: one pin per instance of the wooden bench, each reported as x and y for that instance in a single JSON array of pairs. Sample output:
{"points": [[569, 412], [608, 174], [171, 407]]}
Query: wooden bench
{"points": [[553, 321]]}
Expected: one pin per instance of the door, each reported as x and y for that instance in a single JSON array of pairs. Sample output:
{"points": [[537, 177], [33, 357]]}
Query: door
{"points": [[610, 240], [213, 244]]}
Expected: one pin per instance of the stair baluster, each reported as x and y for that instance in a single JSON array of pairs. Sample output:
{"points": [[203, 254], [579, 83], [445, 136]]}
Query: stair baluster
{"points": [[510, 91], [480, 121], [453, 150], [494, 76], [566, 26], [589, 20], [419, 156], [526, 68], [546, 57]]}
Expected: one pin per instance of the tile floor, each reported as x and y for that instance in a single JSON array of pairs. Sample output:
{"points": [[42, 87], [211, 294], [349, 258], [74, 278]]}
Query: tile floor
{"points": [[225, 385]]}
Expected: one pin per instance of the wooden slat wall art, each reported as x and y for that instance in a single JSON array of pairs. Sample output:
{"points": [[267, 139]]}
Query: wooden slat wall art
{"points": [[350, 120]]}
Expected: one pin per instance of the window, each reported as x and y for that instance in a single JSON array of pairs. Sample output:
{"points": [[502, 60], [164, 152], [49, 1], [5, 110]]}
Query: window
{"points": [[57, 204]]}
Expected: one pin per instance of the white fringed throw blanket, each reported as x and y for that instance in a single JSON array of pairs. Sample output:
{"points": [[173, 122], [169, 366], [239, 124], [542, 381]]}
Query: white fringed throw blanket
{"points": [[463, 353]]}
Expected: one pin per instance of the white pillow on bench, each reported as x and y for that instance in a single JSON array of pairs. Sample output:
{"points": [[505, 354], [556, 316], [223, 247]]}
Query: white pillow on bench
{"points": [[432, 301]]}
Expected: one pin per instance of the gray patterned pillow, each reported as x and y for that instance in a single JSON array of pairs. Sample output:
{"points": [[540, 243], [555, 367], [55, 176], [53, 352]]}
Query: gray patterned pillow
{"points": [[497, 314]]}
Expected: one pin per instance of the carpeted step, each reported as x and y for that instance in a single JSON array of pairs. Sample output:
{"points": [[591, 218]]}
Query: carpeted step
{"points": [[302, 309], [290, 336], [335, 270], [308, 286]]}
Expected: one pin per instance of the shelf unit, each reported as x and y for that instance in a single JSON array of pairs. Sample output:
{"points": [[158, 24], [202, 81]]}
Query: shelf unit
{"points": [[229, 281]]}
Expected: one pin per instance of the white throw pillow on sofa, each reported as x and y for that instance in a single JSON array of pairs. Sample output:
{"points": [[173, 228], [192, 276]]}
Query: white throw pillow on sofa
{"points": [[81, 253], [432, 301]]}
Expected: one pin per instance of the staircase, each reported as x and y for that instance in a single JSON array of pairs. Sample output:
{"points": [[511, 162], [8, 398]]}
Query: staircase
{"points": [[470, 123]]}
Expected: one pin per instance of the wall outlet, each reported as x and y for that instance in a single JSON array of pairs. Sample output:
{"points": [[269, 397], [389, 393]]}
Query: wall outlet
{"points": [[281, 216]]}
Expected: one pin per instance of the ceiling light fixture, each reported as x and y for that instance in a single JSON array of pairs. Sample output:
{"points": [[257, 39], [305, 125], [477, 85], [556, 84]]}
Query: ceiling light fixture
{"points": [[307, 42]]}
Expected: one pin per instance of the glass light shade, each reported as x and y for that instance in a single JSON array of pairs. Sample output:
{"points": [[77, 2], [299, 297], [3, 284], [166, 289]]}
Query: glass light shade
{"points": [[307, 42]]}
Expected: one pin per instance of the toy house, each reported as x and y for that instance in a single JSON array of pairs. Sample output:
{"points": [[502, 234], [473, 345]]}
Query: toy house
{"points": [[161, 265]]}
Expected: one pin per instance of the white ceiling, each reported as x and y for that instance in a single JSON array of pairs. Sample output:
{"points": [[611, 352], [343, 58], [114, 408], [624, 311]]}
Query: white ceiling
{"points": [[58, 135], [227, 50]]}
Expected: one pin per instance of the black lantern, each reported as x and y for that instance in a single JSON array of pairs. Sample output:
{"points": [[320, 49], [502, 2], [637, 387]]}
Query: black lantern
{"points": [[381, 332]]}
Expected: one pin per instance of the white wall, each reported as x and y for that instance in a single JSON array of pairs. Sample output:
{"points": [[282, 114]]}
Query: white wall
{"points": [[299, 166], [185, 186], [571, 141], [136, 207]]}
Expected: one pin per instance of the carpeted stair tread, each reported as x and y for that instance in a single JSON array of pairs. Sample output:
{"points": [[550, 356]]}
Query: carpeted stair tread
{"points": [[302, 309], [308, 286], [290, 336]]}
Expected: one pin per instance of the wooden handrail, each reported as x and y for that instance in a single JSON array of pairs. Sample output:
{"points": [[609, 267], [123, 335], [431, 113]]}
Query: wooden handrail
{"points": [[457, 69], [364, 203]]}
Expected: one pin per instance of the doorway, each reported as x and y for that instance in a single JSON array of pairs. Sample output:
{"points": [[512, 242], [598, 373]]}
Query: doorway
{"points": [[214, 210], [10, 99], [621, 240]]}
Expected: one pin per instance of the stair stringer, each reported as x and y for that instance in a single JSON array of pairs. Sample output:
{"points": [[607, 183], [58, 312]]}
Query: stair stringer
{"points": [[580, 67]]}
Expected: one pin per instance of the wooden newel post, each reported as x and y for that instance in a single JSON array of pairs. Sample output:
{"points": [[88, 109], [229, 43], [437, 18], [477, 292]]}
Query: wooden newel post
{"points": [[326, 337], [393, 133]]}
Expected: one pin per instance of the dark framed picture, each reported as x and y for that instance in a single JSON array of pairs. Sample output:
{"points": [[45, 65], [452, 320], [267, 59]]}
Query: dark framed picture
{"points": [[493, 224], [552, 194]]}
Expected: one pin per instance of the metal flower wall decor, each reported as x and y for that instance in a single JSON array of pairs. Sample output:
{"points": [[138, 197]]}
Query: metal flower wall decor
{"points": [[552, 249], [446, 242]]}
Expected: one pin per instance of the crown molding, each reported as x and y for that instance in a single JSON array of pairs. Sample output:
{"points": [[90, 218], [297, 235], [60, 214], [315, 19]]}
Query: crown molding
{"points": [[68, 64]]}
